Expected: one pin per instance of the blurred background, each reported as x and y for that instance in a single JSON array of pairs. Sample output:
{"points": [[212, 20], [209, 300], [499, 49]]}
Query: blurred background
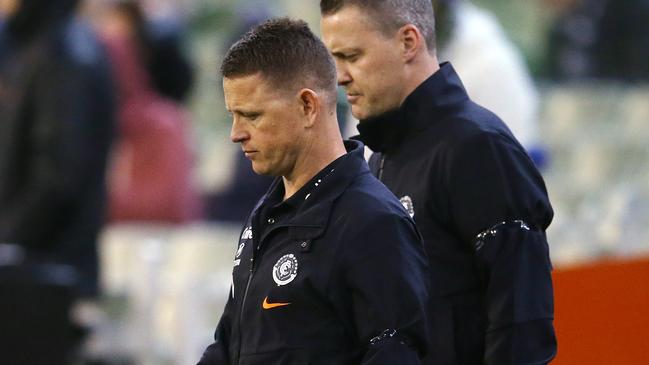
{"points": [[570, 77]]}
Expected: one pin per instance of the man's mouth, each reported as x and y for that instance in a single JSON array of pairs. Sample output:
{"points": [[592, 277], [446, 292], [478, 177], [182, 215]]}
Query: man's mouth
{"points": [[352, 98]]}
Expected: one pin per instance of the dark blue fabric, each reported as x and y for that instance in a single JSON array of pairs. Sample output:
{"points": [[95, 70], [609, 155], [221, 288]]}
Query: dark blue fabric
{"points": [[361, 270], [462, 171]]}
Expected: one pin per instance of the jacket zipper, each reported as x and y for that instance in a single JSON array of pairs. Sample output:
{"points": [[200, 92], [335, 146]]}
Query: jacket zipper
{"points": [[380, 175], [243, 304], [256, 248], [245, 293]]}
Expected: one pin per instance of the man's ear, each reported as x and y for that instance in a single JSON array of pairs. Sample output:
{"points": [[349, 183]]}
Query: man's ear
{"points": [[310, 105], [411, 41]]}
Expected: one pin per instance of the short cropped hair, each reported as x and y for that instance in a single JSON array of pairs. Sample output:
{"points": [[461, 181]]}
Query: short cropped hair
{"points": [[390, 15], [286, 53]]}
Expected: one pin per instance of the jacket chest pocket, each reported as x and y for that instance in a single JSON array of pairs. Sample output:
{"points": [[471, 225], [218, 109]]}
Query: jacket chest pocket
{"points": [[296, 310], [290, 282]]}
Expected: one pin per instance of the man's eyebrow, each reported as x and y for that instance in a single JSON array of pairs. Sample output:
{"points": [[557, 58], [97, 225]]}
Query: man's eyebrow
{"points": [[344, 52], [243, 112]]}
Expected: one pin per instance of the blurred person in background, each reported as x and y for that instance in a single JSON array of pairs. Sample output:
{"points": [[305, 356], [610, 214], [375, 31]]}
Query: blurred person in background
{"points": [[599, 39], [493, 70], [170, 67], [56, 125], [167, 60], [329, 269], [151, 167], [472, 189]]}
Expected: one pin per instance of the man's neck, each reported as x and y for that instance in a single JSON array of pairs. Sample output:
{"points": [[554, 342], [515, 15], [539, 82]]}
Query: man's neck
{"points": [[319, 153], [421, 70]]}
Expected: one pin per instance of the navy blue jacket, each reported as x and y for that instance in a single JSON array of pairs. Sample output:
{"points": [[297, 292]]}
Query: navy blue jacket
{"points": [[482, 208], [336, 274]]}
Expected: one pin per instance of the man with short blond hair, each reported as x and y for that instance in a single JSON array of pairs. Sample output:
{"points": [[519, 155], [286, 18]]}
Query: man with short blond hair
{"points": [[329, 269]]}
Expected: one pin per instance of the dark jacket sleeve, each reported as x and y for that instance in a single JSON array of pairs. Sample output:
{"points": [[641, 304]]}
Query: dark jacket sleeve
{"points": [[218, 352], [498, 192], [386, 270]]}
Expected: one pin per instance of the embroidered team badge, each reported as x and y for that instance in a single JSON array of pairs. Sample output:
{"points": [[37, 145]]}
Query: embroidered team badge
{"points": [[285, 269], [407, 204]]}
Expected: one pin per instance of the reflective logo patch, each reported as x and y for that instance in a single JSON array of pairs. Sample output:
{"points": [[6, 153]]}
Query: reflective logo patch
{"points": [[407, 204], [240, 250], [285, 269], [237, 260], [247, 233]]}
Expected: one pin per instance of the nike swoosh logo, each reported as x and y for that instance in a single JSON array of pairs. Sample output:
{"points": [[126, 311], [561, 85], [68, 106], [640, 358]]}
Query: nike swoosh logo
{"points": [[267, 305]]}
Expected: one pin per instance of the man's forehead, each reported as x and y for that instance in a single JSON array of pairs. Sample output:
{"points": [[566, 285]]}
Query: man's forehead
{"points": [[245, 84], [348, 27], [243, 80], [241, 89], [248, 91]]}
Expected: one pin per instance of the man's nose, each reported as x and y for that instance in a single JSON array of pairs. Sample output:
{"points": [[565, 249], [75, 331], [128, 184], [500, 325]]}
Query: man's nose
{"points": [[342, 75], [238, 133]]}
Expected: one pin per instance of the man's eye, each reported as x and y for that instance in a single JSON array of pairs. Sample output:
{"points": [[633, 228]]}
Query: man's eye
{"points": [[347, 57], [352, 57]]}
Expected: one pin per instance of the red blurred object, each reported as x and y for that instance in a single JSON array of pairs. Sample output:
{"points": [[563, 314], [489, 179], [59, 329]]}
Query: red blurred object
{"points": [[602, 313], [150, 174]]}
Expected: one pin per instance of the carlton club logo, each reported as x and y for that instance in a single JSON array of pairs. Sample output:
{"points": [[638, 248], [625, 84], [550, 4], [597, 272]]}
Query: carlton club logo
{"points": [[285, 269]]}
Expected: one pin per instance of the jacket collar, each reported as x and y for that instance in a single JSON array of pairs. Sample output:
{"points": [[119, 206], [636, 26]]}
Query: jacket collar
{"points": [[387, 131], [314, 200]]}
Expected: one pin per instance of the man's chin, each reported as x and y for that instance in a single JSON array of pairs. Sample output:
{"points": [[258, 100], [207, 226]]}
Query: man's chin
{"points": [[259, 170], [364, 114], [262, 170], [359, 112]]}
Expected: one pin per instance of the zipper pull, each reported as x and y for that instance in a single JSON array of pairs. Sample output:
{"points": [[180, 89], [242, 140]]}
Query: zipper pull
{"points": [[381, 166]]}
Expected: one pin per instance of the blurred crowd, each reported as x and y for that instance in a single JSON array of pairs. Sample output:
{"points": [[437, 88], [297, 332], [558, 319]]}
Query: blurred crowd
{"points": [[99, 129], [599, 39]]}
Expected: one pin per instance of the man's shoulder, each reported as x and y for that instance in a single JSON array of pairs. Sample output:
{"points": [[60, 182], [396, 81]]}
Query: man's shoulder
{"points": [[463, 124], [367, 215], [367, 198]]}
